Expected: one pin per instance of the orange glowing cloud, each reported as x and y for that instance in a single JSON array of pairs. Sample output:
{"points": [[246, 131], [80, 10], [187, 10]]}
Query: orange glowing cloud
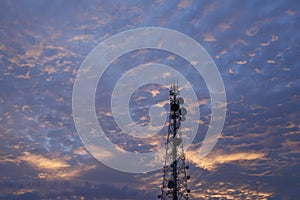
{"points": [[41, 162], [53, 168], [211, 162], [209, 38]]}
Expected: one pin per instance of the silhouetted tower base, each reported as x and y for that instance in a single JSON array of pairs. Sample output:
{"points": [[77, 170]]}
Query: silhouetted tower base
{"points": [[174, 185]]}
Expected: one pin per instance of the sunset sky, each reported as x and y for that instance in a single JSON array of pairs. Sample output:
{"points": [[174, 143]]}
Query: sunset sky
{"points": [[254, 44]]}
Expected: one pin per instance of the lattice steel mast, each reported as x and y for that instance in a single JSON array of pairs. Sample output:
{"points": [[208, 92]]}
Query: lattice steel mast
{"points": [[174, 185]]}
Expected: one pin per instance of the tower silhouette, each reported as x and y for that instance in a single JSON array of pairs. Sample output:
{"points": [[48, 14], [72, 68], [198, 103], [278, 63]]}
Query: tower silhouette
{"points": [[174, 185]]}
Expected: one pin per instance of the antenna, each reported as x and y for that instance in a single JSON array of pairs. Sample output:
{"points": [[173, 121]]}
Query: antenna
{"points": [[174, 185]]}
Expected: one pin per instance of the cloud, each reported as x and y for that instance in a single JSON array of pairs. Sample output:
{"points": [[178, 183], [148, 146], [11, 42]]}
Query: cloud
{"points": [[255, 44], [184, 4], [222, 190], [53, 168], [41, 162], [252, 31], [208, 37], [213, 160]]}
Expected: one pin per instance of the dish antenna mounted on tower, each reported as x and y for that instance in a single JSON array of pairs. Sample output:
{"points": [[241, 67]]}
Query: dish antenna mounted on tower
{"points": [[174, 185]]}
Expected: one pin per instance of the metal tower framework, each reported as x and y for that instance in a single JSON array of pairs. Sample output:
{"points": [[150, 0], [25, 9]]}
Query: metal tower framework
{"points": [[174, 185]]}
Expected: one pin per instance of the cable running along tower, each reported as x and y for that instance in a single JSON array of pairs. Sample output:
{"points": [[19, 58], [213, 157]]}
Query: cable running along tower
{"points": [[174, 185]]}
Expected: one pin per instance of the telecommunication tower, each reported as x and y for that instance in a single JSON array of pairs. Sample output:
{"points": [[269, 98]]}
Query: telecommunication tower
{"points": [[174, 185]]}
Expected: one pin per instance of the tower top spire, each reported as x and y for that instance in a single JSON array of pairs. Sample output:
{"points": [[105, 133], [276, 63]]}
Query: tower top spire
{"points": [[174, 90]]}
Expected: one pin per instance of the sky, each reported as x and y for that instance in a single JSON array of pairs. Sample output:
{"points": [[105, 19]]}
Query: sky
{"points": [[254, 44]]}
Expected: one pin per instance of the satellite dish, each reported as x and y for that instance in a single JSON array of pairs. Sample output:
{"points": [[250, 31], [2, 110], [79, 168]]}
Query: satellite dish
{"points": [[177, 141], [174, 107], [170, 184], [182, 111], [180, 100]]}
